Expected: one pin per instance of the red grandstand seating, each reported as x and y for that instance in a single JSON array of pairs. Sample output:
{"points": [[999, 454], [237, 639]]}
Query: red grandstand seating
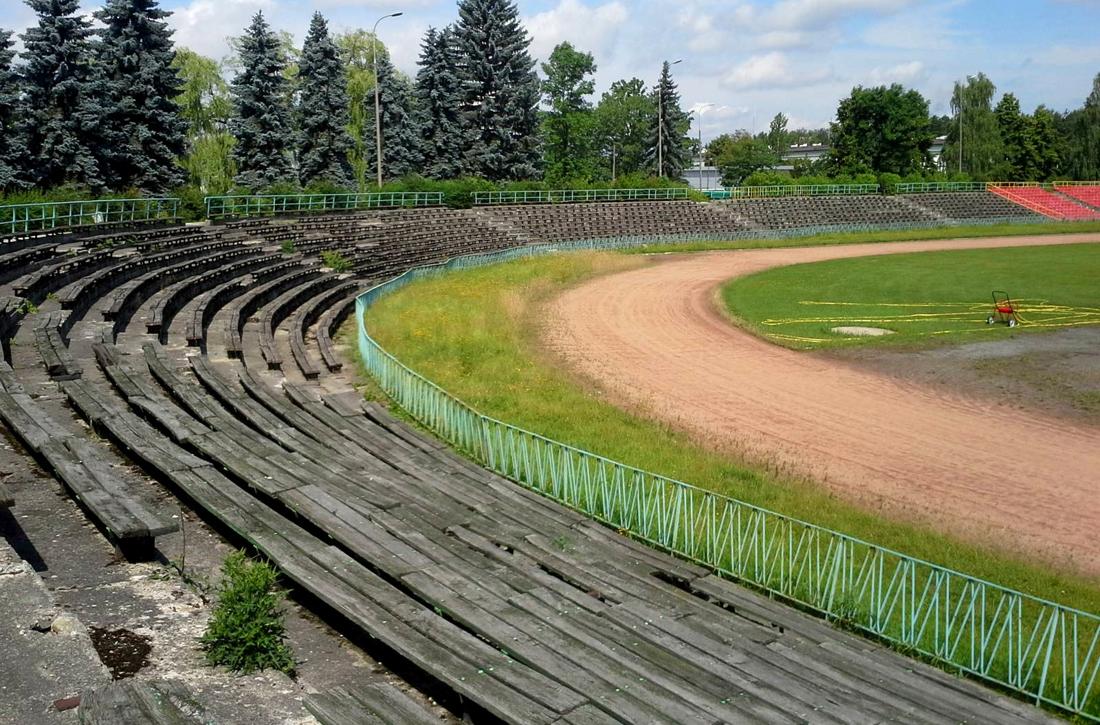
{"points": [[1045, 202], [1088, 194]]}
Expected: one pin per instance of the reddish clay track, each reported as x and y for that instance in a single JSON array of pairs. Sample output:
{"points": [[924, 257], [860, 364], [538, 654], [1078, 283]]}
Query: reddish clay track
{"points": [[658, 341]]}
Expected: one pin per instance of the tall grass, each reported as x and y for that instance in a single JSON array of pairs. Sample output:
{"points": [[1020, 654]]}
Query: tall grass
{"points": [[476, 333]]}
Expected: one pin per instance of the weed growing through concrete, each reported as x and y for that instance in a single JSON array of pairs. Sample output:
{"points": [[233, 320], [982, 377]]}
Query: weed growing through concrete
{"points": [[247, 631]]}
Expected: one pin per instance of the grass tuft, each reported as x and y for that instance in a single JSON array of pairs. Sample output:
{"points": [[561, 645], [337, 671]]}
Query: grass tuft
{"points": [[247, 631]]}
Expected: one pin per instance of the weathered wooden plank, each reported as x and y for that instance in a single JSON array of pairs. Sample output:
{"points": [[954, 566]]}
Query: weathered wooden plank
{"points": [[368, 704]]}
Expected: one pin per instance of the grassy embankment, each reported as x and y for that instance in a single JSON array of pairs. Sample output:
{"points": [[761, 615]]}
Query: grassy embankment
{"points": [[476, 334], [923, 298]]}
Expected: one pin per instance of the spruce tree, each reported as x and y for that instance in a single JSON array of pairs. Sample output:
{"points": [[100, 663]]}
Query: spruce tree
{"points": [[261, 122], [142, 132], [10, 145], [437, 93], [400, 133], [58, 116], [500, 91], [674, 124], [323, 111]]}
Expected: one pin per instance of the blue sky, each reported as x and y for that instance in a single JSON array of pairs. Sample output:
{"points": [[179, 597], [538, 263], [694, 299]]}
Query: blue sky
{"points": [[743, 60]]}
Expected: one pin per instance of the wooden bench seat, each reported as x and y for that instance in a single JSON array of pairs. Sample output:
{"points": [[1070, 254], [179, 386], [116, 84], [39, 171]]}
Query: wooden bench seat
{"points": [[141, 702], [127, 519], [368, 704]]}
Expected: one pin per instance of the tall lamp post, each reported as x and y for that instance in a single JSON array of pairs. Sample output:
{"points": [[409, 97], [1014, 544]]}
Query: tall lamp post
{"points": [[377, 102], [661, 124]]}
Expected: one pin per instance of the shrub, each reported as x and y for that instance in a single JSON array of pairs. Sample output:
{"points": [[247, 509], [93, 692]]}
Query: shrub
{"points": [[246, 632], [335, 261], [287, 247]]}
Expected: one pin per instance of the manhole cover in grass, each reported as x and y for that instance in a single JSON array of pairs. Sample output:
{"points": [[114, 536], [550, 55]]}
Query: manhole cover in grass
{"points": [[863, 331]]}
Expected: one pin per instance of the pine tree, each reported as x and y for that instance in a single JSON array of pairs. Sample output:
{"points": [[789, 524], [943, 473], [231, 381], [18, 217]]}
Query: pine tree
{"points": [[323, 111], [400, 134], [668, 129], [437, 93], [10, 144], [58, 116], [142, 132], [261, 123], [500, 91]]}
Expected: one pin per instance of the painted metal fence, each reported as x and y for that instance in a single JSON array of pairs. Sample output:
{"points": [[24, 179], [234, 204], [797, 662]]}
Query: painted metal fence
{"points": [[220, 207], [924, 187], [45, 216], [1042, 650], [565, 196], [755, 192]]}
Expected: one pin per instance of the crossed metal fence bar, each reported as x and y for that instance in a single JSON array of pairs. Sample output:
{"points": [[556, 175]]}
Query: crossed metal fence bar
{"points": [[922, 187], [754, 192], [558, 196], [46, 216], [1038, 648], [219, 207]]}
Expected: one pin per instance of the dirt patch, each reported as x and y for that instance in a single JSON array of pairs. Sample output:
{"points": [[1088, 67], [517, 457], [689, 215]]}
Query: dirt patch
{"points": [[124, 652], [1057, 373], [655, 339]]}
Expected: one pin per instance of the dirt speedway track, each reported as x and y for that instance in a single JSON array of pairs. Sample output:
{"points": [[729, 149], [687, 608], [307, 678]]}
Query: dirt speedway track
{"points": [[656, 339]]}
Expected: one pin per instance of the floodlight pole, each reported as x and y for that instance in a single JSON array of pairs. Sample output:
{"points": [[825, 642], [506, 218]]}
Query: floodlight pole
{"points": [[377, 102], [661, 122]]}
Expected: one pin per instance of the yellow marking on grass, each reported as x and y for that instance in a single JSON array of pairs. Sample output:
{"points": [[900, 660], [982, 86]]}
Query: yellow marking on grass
{"points": [[1029, 312]]}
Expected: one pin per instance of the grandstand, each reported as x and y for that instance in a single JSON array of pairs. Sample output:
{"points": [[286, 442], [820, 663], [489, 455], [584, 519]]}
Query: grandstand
{"points": [[201, 360], [1049, 203]]}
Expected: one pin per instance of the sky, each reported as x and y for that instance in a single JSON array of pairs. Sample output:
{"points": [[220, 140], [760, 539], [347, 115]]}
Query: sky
{"points": [[743, 61]]}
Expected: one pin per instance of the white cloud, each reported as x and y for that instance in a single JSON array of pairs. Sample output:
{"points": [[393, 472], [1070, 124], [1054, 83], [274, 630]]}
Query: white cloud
{"points": [[590, 28], [906, 73], [771, 70], [205, 25]]}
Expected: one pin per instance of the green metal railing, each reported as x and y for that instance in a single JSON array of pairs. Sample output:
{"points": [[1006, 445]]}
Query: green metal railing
{"points": [[220, 207], [1042, 650], [755, 192], [46, 216], [559, 196], [924, 187]]}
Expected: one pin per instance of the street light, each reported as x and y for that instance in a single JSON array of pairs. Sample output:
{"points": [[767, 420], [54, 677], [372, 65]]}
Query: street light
{"points": [[377, 103], [661, 124]]}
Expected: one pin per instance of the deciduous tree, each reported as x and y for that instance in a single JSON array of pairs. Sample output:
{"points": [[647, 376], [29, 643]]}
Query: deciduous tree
{"points": [[982, 149], [207, 108], [882, 129], [358, 48], [623, 118], [568, 127], [738, 158]]}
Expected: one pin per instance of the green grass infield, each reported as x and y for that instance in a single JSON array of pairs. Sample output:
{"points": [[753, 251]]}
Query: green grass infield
{"points": [[923, 298]]}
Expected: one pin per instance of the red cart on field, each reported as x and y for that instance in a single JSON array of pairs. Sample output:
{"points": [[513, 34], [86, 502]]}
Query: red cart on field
{"points": [[1004, 310]]}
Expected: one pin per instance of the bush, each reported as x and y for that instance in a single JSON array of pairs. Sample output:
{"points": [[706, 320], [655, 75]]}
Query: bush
{"points": [[335, 261], [246, 632], [287, 247]]}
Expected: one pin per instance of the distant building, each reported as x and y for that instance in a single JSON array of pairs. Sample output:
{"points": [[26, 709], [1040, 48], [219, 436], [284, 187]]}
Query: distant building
{"points": [[702, 177]]}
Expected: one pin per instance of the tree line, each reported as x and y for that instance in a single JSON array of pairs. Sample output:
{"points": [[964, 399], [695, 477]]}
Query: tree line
{"points": [[119, 108], [885, 134]]}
